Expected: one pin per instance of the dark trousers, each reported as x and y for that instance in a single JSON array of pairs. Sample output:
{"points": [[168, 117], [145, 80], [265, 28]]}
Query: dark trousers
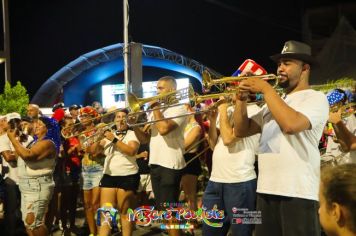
{"points": [[287, 216], [165, 185], [13, 220]]}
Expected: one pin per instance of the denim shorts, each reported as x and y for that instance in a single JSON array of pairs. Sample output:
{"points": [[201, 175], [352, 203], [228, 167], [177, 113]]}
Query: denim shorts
{"points": [[229, 196], [36, 193], [92, 175]]}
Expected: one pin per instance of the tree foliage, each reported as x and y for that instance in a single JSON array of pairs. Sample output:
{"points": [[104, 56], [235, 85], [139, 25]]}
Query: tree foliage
{"points": [[14, 99], [344, 83]]}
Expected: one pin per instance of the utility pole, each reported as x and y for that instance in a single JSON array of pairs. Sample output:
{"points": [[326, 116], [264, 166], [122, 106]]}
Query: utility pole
{"points": [[5, 53], [126, 52]]}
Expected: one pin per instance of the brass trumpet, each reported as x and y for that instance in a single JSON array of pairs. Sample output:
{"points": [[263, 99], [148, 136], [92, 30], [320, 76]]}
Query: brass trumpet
{"points": [[208, 82], [76, 129], [197, 99], [85, 141]]}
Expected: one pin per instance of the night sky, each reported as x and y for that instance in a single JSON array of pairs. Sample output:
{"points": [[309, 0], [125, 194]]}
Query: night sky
{"points": [[221, 34]]}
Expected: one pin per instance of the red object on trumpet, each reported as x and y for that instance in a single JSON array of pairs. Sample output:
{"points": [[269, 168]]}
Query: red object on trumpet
{"points": [[250, 66]]}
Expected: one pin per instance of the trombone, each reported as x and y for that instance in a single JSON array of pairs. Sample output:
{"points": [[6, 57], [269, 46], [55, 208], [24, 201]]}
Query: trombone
{"points": [[134, 106], [194, 99], [208, 82], [72, 130], [168, 99]]}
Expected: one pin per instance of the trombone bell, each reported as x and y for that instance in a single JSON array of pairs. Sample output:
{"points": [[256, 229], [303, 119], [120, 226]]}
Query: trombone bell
{"points": [[134, 102]]}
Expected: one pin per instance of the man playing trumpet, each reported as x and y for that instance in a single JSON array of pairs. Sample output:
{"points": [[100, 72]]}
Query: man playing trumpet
{"points": [[289, 159]]}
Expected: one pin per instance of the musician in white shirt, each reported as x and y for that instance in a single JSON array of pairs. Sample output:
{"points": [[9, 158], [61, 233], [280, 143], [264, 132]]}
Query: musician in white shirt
{"points": [[289, 158]]}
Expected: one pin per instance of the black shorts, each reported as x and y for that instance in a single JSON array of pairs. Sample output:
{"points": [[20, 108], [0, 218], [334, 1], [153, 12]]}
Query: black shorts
{"points": [[165, 185], [127, 182], [194, 167]]}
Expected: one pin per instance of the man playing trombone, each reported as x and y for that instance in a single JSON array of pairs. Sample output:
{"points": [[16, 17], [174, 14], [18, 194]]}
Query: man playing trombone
{"points": [[166, 138], [288, 159]]}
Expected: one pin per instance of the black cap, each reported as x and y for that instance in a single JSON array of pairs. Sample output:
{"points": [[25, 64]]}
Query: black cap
{"points": [[74, 107], [26, 118], [58, 105]]}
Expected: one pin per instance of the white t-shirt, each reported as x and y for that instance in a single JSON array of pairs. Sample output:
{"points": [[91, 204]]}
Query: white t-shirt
{"points": [[21, 164], [188, 128], [117, 163], [10, 170], [38, 168], [234, 163], [289, 165], [168, 150], [333, 149]]}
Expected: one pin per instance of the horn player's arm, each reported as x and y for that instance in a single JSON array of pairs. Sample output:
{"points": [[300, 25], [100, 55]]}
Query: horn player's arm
{"points": [[226, 130], [345, 138], [96, 148], [243, 126], [143, 134], [129, 149], [289, 120], [164, 126], [213, 131]]}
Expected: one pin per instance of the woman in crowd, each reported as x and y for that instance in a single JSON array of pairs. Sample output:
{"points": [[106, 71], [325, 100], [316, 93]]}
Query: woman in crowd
{"points": [[70, 186], [192, 135], [337, 197], [121, 179], [192, 138], [36, 172], [92, 168]]}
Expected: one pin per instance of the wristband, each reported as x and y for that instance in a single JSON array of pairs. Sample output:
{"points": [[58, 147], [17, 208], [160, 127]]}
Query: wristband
{"points": [[115, 140]]}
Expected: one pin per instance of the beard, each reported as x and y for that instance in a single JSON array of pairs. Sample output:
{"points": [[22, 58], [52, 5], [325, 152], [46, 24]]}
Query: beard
{"points": [[284, 84]]}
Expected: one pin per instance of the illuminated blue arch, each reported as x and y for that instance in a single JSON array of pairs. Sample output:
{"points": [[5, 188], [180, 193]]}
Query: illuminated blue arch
{"points": [[72, 82]]}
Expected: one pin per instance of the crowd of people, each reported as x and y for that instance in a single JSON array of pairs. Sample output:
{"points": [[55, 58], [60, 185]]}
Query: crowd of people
{"points": [[286, 168]]}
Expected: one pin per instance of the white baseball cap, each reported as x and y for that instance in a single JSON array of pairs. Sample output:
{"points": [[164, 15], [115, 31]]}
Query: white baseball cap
{"points": [[12, 115]]}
